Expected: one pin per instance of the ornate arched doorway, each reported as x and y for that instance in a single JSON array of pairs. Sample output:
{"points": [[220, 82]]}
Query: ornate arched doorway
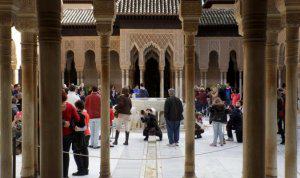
{"points": [[90, 73], [134, 67], [152, 76], [70, 73], [233, 72], [115, 71], [213, 73]]}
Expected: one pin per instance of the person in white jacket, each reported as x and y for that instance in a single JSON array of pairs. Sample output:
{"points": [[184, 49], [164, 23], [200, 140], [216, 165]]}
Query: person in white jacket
{"points": [[72, 95]]}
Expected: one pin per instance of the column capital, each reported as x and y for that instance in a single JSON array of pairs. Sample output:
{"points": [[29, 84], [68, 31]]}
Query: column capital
{"points": [[290, 12], [190, 12], [26, 16], [104, 13]]}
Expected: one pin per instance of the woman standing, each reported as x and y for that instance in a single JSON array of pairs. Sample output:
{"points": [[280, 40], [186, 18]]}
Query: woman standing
{"points": [[123, 110], [218, 117]]}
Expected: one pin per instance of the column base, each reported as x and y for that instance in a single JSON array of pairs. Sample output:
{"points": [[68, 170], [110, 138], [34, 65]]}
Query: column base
{"points": [[189, 175], [105, 176], [33, 176]]}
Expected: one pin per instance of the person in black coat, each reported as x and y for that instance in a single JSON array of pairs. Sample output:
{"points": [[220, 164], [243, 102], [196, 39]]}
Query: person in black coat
{"points": [[152, 127], [235, 123], [173, 110]]}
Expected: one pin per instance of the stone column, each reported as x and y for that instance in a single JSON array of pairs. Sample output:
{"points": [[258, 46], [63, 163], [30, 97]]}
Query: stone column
{"points": [[180, 84], [127, 77], [5, 92], [190, 11], [49, 13], [162, 87], [224, 77], [205, 79], [221, 77], [176, 83], [142, 70], [104, 12], [279, 76], [63, 77], [241, 82], [254, 28], [201, 78], [28, 150], [292, 43], [123, 78], [273, 27]]}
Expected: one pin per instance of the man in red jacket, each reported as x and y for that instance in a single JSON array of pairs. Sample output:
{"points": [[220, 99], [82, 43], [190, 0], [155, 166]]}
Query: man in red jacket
{"points": [[93, 107]]}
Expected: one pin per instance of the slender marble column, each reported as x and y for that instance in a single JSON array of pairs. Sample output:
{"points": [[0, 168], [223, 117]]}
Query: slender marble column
{"points": [[123, 78], [292, 44], [221, 77], [205, 79], [241, 82], [224, 77], [5, 93], [254, 28], [279, 77], [271, 104], [127, 77], [142, 70], [180, 84], [105, 89], [28, 150], [190, 105], [162, 87], [63, 77], [176, 83], [49, 13], [201, 79]]}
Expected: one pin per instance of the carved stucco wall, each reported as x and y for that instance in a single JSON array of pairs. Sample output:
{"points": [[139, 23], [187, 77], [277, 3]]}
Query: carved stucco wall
{"points": [[159, 39], [223, 46], [80, 45]]}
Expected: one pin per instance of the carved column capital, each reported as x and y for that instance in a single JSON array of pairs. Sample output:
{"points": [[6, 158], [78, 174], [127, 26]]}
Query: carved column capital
{"points": [[190, 12], [26, 16]]}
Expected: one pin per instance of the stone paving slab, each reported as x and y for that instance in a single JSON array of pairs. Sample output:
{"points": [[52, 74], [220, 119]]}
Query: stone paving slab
{"points": [[211, 162]]}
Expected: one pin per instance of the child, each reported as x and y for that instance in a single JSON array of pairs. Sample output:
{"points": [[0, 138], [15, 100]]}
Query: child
{"points": [[152, 127], [235, 123], [198, 125]]}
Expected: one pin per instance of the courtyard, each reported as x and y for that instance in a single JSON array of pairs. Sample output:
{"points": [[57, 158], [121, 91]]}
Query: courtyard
{"points": [[168, 162]]}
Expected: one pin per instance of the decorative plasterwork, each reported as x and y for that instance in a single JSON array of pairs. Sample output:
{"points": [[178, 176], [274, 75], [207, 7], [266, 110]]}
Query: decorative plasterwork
{"points": [[89, 45], [69, 45], [115, 44], [161, 40]]}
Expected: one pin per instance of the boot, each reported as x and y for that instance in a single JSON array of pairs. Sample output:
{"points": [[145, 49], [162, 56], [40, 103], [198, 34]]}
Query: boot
{"points": [[127, 137], [116, 137]]}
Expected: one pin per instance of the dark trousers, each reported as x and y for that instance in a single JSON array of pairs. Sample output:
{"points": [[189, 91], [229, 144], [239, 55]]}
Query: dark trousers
{"points": [[154, 131], [229, 128], [67, 141], [82, 162], [173, 128]]}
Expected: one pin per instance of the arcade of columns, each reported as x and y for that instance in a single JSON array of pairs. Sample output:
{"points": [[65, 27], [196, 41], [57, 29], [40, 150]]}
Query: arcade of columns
{"points": [[260, 28]]}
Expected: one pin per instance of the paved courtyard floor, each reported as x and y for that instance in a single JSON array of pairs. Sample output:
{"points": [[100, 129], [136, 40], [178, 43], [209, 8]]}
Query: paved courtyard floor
{"points": [[211, 162]]}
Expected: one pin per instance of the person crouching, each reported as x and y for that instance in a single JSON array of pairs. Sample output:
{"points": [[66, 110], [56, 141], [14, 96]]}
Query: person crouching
{"points": [[152, 127], [80, 147], [199, 129]]}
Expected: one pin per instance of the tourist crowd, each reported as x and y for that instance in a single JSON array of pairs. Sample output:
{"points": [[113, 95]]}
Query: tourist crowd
{"points": [[81, 117]]}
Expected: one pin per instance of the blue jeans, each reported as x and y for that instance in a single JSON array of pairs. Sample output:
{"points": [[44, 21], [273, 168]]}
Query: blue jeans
{"points": [[95, 131], [218, 132], [173, 128]]}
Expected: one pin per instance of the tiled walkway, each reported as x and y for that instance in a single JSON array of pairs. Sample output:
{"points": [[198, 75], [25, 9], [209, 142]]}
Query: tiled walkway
{"points": [[219, 162]]}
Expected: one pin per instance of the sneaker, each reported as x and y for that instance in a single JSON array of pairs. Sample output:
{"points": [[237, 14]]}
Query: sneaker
{"points": [[221, 144], [171, 145], [176, 144], [229, 139], [214, 145], [96, 147], [111, 145]]}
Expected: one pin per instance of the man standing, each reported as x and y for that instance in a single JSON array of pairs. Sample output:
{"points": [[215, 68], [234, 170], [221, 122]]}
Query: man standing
{"points": [[93, 107], [72, 95], [173, 116]]}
